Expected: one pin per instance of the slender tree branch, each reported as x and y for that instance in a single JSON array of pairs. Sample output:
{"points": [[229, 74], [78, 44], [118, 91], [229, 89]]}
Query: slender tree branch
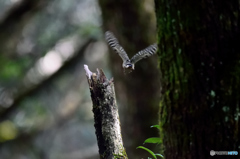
{"points": [[24, 92]]}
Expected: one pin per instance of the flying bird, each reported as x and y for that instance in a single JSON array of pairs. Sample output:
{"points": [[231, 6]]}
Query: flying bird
{"points": [[129, 64]]}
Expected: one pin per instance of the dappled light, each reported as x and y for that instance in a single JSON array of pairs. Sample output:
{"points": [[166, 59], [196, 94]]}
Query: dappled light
{"points": [[66, 48], [25, 47], [50, 63], [6, 98], [8, 131], [43, 93]]}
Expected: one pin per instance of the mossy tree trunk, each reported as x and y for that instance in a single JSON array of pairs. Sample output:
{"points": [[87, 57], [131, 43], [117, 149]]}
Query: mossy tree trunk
{"points": [[199, 61]]}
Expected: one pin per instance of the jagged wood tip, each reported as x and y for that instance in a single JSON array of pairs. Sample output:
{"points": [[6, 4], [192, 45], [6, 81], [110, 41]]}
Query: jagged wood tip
{"points": [[88, 72], [98, 76]]}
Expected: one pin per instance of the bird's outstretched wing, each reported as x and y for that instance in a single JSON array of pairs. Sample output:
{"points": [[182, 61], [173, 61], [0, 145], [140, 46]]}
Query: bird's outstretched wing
{"points": [[149, 51], [113, 43]]}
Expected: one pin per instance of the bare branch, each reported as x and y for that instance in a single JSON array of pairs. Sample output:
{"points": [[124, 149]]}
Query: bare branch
{"points": [[24, 92]]}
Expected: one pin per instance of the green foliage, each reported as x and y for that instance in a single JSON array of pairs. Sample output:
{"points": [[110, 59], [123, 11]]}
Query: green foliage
{"points": [[152, 140], [13, 69], [144, 148], [156, 126], [159, 155], [10, 69]]}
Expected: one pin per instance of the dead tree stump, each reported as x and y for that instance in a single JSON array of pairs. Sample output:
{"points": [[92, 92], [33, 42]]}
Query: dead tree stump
{"points": [[106, 118]]}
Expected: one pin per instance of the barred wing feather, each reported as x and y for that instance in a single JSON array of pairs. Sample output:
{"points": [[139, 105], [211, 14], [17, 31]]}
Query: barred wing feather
{"points": [[114, 44], [149, 51]]}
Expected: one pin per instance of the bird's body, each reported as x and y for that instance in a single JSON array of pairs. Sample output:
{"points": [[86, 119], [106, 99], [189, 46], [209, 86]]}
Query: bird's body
{"points": [[129, 63]]}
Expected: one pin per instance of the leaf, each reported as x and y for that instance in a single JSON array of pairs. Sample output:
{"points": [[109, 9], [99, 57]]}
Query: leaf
{"points": [[141, 147], [159, 155], [155, 126], [153, 140]]}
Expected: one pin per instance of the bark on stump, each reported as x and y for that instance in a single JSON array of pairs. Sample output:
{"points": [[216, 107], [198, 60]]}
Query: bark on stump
{"points": [[106, 118]]}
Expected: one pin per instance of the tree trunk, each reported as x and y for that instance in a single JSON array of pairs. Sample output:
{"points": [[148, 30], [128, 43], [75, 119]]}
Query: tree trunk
{"points": [[106, 118], [133, 23], [200, 77]]}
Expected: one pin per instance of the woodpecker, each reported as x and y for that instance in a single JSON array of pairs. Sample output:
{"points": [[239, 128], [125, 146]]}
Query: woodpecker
{"points": [[129, 64]]}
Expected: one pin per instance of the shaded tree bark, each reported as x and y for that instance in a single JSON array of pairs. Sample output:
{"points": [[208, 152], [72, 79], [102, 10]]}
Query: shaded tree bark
{"points": [[199, 63], [133, 23]]}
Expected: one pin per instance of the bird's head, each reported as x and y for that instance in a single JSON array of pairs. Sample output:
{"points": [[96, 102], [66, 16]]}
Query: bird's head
{"points": [[128, 67]]}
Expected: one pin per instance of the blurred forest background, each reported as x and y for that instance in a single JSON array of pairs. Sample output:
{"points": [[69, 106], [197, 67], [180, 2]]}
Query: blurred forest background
{"points": [[45, 106]]}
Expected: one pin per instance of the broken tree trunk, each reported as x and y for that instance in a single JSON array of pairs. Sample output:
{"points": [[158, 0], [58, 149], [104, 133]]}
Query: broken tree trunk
{"points": [[106, 118]]}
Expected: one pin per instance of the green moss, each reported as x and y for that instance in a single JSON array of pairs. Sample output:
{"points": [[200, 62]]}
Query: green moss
{"points": [[123, 154]]}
